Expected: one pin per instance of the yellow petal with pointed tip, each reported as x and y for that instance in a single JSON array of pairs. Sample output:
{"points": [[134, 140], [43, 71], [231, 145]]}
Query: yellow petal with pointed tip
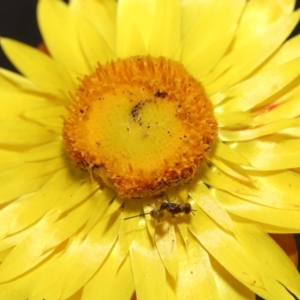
{"points": [[258, 89], [14, 82], [165, 31], [226, 249], [12, 133], [28, 210], [73, 265], [55, 81], [22, 287], [256, 132], [271, 153], [91, 43], [135, 20], [233, 119], [231, 169], [238, 63], [48, 117], [69, 224], [62, 44], [128, 228], [166, 244], [195, 274], [113, 279], [101, 15], [90, 254], [269, 258], [202, 44], [226, 282], [12, 108], [278, 189], [225, 152], [44, 152], [281, 220], [147, 267], [214, 177], [206, 201], [28, 253], [28, 177]]}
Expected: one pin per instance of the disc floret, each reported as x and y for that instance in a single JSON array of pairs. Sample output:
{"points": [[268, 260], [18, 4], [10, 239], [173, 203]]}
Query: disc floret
{"points": [[140, 125]]}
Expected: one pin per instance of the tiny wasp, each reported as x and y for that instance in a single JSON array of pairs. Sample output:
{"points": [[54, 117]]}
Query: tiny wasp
{"points": [[171, 207]]}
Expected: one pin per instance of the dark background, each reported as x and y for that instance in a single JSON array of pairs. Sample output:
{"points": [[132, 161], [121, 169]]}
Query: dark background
{"points": [[18, 21]]}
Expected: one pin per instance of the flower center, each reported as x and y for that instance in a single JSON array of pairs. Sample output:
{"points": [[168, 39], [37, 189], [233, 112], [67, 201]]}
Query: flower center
{"points": [[140, 125]]}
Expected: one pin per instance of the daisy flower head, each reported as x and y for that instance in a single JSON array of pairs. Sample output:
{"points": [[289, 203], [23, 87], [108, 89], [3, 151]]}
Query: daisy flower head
{"points": [[153, 151]]}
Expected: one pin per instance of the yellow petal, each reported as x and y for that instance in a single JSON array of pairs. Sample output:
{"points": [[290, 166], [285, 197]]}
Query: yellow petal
{"points": [[214, 177], [165, 32], [225, 249], [223, 151], [238, 63], [143, 21], [134, 27], [165, 241], [78, 263], [236, 119], [275, 189], [287, 52], [81, 259], [13, 82], [231, 169], [287, 106], [259, 15], [28, 210], [101, 15], [55, 80], [50, 116], [93, 45], [207, 57], [235, 290], [206, 201], [279, 189], [12, 133], [146, 264], [44, 152], [107, 208], [256, 90], [7, 243], [128, 228], [12, 107], [26, 254], [256, 132], [18, 155], [113, 278], [271, 153], [280, 219], [195, 274], [22, 287], [67, 225], [74, 194], [59, 28], [269, 258], [28, 177], [10, 159], [201, 26]]}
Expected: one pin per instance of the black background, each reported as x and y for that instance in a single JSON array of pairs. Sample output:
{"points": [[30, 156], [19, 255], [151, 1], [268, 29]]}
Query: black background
{"points": [[18, 21]]}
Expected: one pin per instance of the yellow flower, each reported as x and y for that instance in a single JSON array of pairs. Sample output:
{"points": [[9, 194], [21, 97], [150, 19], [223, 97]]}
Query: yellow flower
{"points": [[63, 237]]}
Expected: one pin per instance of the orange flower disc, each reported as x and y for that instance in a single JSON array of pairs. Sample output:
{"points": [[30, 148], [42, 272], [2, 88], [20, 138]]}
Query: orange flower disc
{"points": [[140, 125]]}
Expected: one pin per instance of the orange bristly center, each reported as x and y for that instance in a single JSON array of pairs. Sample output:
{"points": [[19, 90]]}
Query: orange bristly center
{"points": [[140, 125]]}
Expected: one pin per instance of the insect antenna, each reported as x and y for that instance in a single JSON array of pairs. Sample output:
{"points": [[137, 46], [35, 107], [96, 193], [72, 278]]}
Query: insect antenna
{"points": [[137, 216]]}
